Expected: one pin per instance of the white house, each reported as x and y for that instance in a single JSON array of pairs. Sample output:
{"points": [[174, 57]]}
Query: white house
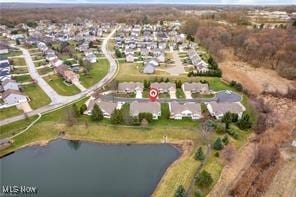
{"points": [[13, 97], [218, 110], [145, 107], [10, 84], [186, 110]]}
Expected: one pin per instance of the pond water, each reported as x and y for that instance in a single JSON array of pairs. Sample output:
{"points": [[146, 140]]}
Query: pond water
{"points": [[76, 168]]}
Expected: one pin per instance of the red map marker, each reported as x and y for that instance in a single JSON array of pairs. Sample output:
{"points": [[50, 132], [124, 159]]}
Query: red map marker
{"points": [[153, 93]]}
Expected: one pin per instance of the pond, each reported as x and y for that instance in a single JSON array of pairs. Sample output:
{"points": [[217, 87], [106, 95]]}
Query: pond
{"points": [[76, 168]]}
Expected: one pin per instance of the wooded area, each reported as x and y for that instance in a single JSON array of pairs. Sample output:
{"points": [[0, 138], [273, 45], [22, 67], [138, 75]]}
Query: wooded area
{"points": [[269, 48]]}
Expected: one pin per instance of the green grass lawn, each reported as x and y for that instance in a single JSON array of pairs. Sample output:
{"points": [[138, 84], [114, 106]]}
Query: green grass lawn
{"points": [[14, 53], [38, 98], [44, 70], [23, 78], [97, 72], [39, 63], [20, 70], [57, 83], [9, 112], [19, 61]]}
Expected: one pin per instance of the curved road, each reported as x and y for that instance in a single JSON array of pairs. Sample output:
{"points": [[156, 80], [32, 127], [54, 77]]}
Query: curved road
{"points": [[56, 99]]}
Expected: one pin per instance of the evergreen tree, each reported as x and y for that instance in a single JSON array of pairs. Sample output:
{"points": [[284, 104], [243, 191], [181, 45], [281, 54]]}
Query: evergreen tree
{"points": [[116, 117], [180, 192], [199, 154], [227, 119], [218, 144], [244, 122], [97, 113], [204, 179]]}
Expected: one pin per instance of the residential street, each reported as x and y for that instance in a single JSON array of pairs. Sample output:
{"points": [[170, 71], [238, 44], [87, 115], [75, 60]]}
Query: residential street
{"points": [[58, 100]]}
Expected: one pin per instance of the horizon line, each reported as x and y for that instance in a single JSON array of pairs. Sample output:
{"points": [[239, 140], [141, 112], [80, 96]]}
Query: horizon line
{"points": [[110, 3]]}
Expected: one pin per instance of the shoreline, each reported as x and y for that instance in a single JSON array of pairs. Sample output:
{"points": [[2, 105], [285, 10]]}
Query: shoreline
{"points": [[177, 145]]}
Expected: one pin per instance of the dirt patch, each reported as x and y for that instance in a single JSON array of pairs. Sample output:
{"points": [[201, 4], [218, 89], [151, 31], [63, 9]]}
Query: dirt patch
{"points": [[234, 169], [255, 79], [284, 183]]}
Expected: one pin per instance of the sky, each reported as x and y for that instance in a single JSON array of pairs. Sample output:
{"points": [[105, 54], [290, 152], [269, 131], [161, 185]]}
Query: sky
{"points": [[242, 2]]}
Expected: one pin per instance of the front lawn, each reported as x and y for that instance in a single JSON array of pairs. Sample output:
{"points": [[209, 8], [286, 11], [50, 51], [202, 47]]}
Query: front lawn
{"points": [[97, 72], [19, 61], [20, 70], [44, 70], [23, 78], [58, 84]]}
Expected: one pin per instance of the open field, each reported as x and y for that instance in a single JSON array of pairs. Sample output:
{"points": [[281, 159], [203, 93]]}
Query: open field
{"points": [[37, 96], [256, 80], [97, 72], [58, 84]]}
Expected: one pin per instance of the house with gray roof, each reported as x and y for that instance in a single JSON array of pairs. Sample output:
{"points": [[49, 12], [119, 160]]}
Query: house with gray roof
{"points": [[186, 110], [145, 107], [149, 68], [13, 97], [218, 110], [129, 87], [194, 87], [10, 84], [164, 87]]}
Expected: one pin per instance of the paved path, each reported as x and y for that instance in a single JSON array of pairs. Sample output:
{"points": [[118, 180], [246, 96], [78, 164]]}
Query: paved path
{"points": [[63, 100], [178, 68], [51, 93]]}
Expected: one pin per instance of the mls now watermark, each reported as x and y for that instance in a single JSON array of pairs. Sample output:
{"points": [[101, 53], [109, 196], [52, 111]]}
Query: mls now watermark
{"points": [[18, 189]]}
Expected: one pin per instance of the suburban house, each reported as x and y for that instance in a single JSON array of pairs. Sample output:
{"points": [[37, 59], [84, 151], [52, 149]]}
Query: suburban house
{"points": [[148, 68], [5, 70], [106, 107], [130, 57], [10, 84], [189, 88], [70, 76], [13, 97], [219, 109], [130, 87], [145, 107], [91, 58], [186, 110]]}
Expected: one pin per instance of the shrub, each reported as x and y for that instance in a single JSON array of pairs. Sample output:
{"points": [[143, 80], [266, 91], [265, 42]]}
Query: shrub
{"points": [[147, 116], [218, 145], [204, 179], [116, 117], [180, 192], [199, 154]]}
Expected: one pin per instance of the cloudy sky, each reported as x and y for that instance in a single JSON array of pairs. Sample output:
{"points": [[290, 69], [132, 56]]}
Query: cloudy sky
{"points": [[245, 2]]}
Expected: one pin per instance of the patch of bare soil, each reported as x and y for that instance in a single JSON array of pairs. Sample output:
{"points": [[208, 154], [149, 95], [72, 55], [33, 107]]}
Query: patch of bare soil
{"points": [[251, 170], [284, 182], [234, 169], [255, 79]]}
